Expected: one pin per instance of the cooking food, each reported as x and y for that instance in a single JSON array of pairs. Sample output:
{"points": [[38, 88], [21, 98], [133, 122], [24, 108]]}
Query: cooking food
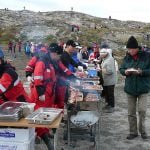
{"points": [[75, 96], [92, 87], [91, 97], [80, 74]]}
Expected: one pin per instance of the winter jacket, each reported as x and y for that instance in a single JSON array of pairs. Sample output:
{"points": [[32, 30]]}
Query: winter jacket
{"points": [[44, 84], [137, 84], [109, 75], [11, 88], [75, 58], [67, 60]]}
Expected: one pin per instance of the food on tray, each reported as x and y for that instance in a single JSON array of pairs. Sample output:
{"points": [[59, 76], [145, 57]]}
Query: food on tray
{"points": [[92, 87], [91, 97], [81, 74], [75, 96], [76, 83]]}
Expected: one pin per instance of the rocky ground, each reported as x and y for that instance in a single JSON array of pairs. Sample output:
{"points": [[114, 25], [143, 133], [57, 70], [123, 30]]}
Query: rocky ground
{"points": [[113, 126]]}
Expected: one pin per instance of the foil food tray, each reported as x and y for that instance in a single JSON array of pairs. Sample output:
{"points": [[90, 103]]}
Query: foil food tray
{"points": [[43, 115], [11, 111]]}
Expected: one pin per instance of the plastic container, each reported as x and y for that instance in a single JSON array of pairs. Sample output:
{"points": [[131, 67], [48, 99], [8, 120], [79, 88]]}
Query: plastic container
{"points": [[16, 134], [92, 73], [9, 145]]}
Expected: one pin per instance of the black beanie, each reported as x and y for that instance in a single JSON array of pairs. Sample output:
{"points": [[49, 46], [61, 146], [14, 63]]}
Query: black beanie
{"points": [[132, 42], [53, 48]]}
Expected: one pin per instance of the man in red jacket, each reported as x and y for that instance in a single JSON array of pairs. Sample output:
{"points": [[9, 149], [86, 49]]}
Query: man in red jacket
{"points": [[11, 88], [43, 91], [44, 68], [62, 72]]}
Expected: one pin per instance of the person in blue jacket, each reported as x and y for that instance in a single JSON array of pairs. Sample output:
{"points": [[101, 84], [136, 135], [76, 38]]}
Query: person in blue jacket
{"points": [[75, 58]]}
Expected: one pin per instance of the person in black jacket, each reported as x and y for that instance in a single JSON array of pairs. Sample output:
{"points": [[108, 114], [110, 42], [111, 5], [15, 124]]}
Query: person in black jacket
{"points": [[66, 56]]}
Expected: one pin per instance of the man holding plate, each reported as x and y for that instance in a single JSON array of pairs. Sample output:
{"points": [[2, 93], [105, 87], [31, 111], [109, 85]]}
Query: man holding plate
{"points": [[136, 68]]}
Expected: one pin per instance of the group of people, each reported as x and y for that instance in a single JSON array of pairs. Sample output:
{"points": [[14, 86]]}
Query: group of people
{"points": [[29, 47], [48, 72], [13, 45]]}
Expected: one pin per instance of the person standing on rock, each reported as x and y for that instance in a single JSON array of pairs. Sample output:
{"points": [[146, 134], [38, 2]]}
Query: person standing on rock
{"points": [[136, 68]]}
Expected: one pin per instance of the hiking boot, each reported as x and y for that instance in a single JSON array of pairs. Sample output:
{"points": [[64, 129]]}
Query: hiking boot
{"points": [[109, 110], [144, 136], [132, 136]]}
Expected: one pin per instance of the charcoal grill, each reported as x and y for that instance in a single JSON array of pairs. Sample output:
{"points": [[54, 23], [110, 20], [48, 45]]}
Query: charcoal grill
{"points": [[85, 122]]}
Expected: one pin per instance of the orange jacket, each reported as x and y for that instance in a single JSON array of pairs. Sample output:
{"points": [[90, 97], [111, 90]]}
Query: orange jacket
{"points": [[44, 84], [11, 88]]}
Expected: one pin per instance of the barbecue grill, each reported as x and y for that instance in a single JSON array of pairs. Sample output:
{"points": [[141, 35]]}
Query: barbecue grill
{"points": [[81, 119]]}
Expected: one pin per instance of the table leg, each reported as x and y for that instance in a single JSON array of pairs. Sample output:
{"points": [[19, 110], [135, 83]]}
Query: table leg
{"points": [[68, 131], [55, 138], [99, 125]]}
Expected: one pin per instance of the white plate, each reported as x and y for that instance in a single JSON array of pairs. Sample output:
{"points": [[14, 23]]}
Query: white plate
{"points": [[132, 70]]}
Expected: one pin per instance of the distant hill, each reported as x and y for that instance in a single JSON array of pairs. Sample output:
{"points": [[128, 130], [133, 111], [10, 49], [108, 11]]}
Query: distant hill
{"points": [[57, 25]]}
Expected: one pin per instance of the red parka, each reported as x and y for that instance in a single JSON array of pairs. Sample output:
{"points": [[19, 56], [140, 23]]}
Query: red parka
{"points": [[44, 84], [11, 88], [61, 73]]}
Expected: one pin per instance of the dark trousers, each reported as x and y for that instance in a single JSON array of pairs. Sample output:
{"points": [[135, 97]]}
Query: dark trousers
{"points": [[109, 95]]}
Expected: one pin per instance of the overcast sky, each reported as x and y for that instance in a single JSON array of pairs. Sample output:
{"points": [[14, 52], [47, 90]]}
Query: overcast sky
{"points": [[137, 10]]}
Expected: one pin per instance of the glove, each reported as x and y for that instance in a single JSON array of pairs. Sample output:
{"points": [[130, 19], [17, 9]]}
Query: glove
{"points": [[42, 98], [30, 79], [80, 68]]}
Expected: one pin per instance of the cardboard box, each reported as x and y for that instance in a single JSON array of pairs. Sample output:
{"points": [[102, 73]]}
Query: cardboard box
{"points": [[16, 134], [8, 145]]}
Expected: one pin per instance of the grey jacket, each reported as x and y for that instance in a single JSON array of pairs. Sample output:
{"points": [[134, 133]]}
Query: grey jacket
{"points": [[110, 76]]}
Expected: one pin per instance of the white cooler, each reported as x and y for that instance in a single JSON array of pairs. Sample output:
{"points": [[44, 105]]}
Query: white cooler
{"points": [[17, 138], [17, 145]]}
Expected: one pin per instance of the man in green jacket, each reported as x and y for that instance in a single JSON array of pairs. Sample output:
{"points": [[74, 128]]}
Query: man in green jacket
{"points": [[136, 68]]}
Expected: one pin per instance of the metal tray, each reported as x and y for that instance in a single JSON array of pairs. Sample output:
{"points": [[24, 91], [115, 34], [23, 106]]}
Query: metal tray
{"points": [[93, 88], [91, 79], [11, 111], [43, 115]]}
